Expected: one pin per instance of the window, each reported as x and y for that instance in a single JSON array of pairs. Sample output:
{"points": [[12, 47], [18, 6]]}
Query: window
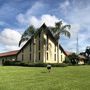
{"points": [[22, 50], [33, 41], [39, 35], [61, 57], [39, 45], [47, 56], [30, 56], [2, 60], [39, 56], [47, 42], [55, 57], [30, 47], [55, 48], [22, 57], [39, 41]]}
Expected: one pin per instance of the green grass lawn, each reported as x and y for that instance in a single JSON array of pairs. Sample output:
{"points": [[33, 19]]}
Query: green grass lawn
{"points": [[33, 78]]}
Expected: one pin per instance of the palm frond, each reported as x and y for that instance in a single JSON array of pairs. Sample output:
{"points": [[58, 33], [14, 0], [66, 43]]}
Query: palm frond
{"points": [[57, 37], [31, 30], [27, 34], [22, 40], [66, 27], [58, 24], [60, 29], [66, 33]]}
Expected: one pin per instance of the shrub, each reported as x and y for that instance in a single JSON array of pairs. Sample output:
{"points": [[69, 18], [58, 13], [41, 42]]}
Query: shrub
{"points": [[24, 64], [18, 63], [67, 60], [39, 65], [11, 63], [59, 65], [45, 64]]}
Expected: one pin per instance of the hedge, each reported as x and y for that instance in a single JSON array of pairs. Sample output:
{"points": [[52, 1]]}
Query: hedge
{"points": [[18, 63]]}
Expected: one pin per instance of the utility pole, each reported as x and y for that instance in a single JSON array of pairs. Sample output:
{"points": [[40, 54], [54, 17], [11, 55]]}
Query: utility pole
{"points": [[77, 46]]}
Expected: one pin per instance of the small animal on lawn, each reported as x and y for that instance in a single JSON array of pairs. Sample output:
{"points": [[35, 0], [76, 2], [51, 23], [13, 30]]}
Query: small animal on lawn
{"points": [[49, 67]]}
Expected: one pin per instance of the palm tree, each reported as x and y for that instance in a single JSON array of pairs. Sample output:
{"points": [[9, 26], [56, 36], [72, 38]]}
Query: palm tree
{"points": [[27, 34], [58, 30]]}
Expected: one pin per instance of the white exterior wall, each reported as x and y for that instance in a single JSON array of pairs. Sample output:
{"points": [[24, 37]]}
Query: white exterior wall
{"points": [[51, 53], [81, 62], [61, 56]]}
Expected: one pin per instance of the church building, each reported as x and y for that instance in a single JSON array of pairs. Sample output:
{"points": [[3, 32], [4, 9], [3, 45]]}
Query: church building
{"points": [[42, 48]]}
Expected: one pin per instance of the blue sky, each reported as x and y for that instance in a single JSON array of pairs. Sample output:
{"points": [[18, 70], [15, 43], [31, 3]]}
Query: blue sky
{"points": [[17, 15]]}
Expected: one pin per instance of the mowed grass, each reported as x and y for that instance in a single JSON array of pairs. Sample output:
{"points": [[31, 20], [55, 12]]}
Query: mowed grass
{"points": [[37, 78]]}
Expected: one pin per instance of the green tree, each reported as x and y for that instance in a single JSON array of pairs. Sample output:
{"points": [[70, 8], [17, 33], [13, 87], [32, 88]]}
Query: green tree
{"points": [[87, 53], [73, 58], [58, 30], [27, 34]]}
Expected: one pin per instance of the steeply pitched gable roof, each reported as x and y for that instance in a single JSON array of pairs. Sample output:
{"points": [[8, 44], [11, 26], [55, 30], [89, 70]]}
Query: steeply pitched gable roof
{"points": [[47, 30]]}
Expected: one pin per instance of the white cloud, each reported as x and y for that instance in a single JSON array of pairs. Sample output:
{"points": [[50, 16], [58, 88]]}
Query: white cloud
{"points": [[47, 19], [25, 18], [10, 48], [34, 21], [64, 6], [35, 8], [21, 18], [29, 17], [9, 39], [75, 28]]}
